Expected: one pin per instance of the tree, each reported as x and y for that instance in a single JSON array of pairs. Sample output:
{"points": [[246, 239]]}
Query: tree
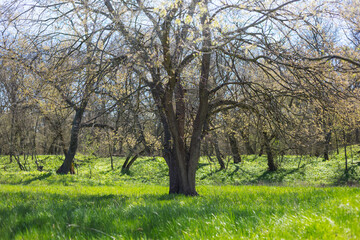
{"points": [[18, 118], [72, 61], [166, 48]]}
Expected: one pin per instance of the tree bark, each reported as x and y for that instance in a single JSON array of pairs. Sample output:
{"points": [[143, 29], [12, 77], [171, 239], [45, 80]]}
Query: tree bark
{"points": [[261, 150], [183, 162], [131, 159], [218, 153], [203, 110], [327, 146], [68, 164], [357, 134], [270, 157], [234, 148], [345, 152], [158, 94], [128, 162], [215, 143], [12, 137], [245, 136]]}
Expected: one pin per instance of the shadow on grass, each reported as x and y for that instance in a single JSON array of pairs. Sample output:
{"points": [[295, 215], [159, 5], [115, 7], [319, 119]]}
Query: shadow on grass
{"points": [[348, 178], [237, 169], [212, 173], [41, 177], [279, 175], [201, 165], [252, 158], [126, 172]]}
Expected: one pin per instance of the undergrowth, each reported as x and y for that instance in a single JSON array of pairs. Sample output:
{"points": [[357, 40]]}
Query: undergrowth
{"points": [[92, 171]]}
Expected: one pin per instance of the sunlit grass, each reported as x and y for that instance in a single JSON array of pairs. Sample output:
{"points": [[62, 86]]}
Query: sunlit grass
{"points": [[100, 203], [91, 171], [131, 212]]}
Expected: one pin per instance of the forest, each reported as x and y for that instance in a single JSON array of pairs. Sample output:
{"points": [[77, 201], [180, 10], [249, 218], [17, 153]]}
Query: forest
{"points": [[142, 104]]}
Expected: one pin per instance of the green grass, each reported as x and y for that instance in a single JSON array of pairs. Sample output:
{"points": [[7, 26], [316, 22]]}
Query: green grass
{"points": [[148, 212], [306, 199], [91, 171]]}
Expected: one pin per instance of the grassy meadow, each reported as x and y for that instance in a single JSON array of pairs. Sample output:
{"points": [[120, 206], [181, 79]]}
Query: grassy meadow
{"points": [[306, 199]]}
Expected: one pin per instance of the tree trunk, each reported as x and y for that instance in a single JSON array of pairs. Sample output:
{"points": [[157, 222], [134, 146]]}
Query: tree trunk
{"points": [[203, 110], [327, 146], [234, 148], [182, 161], [357, 134], [249, 149], [246, 138], [261, 150], [111, 149], [12, 126], [181, 167], [345, 152], [173, 175], [130, 160], [68, 164], [215, 143], [218, 154], [21, 166], [270, 157], [337, 143]]}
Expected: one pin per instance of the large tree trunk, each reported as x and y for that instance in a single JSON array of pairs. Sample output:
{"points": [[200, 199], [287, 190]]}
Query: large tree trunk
{"points": [[168, 148], [174, 187], [182, 161], [182, 167], [68, 164], [203, 110], [170, 158], [188, 162]]}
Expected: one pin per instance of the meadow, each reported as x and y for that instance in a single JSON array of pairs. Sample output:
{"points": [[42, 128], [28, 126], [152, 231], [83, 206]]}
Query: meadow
{"points": [[306, 198]]}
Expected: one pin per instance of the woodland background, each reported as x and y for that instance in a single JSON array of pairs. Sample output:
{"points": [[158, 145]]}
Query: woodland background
{"points": [[178, 79]]}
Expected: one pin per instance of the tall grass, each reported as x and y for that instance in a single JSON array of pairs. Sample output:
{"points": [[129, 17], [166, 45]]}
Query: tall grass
{"points": [[100, 203], [148, 212]]}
